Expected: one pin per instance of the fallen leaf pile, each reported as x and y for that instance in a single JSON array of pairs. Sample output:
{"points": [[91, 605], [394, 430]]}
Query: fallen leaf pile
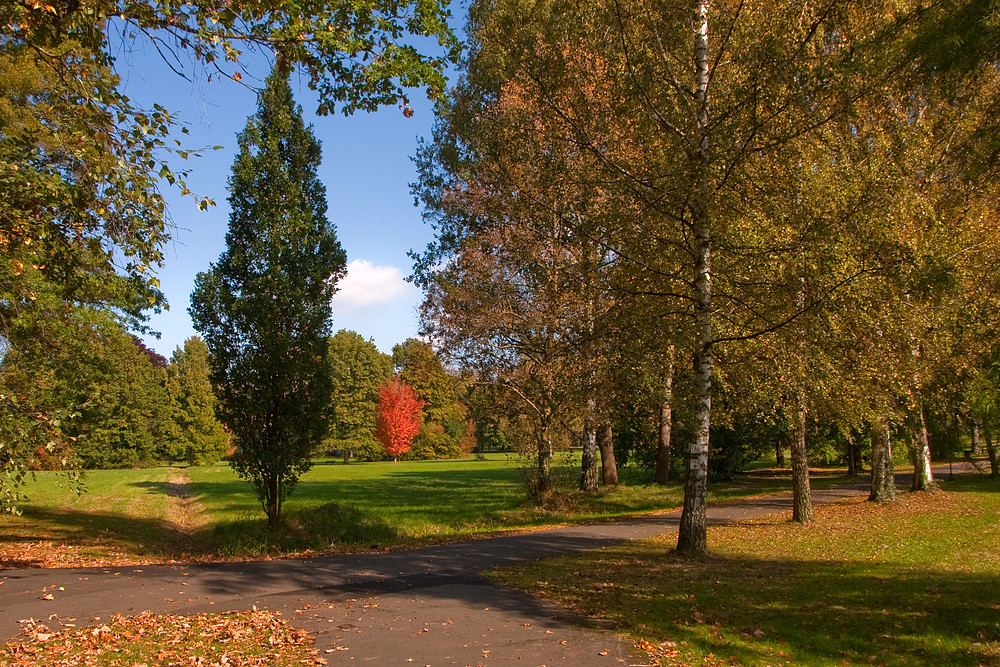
{"points": [[244, 639], [49, 553]]}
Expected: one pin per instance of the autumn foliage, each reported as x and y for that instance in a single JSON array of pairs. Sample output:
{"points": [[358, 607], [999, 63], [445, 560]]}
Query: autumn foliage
{"points": [[398, 417]]}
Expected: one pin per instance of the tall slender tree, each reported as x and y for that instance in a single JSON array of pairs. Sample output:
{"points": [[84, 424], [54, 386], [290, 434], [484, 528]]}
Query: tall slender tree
{"points": [[195, 434], [264, 307]]}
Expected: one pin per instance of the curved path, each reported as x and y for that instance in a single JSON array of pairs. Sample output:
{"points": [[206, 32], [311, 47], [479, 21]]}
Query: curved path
{"points": [[429, 606]]}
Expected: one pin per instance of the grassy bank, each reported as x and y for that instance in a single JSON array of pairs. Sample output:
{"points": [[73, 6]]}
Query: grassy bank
{"points": [[914, 582], [203, 512]]}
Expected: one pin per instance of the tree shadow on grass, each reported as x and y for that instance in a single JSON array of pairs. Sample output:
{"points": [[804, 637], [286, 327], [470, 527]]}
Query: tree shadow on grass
{"points": [[758, 611], [971, 482], [156, 538]]}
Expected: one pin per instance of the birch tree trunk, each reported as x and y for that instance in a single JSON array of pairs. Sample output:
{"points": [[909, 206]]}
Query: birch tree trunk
{"points": [[588, 474], [991, 451], [606, 443], [883, 484], [974, 435], [691, 535], [543, 476], [802, 510], [923, 478], [662, 474]]}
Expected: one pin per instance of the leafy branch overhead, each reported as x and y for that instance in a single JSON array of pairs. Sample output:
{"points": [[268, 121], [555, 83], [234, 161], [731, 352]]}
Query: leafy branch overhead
{"points": [[83, 221], [359, 55]]}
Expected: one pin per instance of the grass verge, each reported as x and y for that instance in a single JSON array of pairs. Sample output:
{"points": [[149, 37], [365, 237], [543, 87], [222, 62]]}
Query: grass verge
{"points": [[913, 582], [207, 513]]}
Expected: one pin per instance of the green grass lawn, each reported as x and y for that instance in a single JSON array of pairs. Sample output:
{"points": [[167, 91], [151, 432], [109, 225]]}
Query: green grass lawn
{"points": [[338, 507], [914, 582]]}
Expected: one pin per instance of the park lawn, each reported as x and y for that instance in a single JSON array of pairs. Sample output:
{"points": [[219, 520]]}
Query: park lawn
{"points": [[124, 516], [913, 582], [130, 516]]}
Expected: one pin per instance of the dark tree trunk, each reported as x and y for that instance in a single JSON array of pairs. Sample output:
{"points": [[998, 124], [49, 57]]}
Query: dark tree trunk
{"points": [[347, 456], [779, 453], [883, 487], [802, 510], [272, 502], [606, 443], [853, 454]]}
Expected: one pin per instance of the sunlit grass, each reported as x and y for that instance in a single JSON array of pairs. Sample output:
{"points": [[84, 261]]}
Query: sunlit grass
{"points": [[334, 507], [915, 582]]}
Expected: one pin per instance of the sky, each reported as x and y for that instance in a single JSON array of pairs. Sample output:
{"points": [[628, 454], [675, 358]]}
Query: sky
{"points": [[366, 170]]}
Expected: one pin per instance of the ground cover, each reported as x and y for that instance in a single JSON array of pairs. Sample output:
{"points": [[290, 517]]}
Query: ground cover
{"points": [[913, 582], [206, 512], [247, 639]]}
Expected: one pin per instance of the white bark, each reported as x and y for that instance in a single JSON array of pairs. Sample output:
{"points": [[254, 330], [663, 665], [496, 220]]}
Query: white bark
{"points": [[691, 536]]}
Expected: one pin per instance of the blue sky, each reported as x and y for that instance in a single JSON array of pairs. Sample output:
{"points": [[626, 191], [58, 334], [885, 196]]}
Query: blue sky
{"points": [[366, 169]]}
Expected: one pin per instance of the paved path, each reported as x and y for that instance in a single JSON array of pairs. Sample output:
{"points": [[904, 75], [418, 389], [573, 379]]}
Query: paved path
{"points": [[424, 607]]}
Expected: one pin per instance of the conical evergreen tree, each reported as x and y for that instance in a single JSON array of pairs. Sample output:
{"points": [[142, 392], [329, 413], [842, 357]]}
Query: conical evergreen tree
{"points": [[264, 307], [195, 434]]}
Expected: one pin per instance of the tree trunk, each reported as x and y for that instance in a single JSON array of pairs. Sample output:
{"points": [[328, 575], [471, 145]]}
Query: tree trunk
{"points": [[347, 456], [779, 453], [543, 477], [923, 478], [588, 475], [662, 474], [974, 435], [883, 485], [272, 503], [691, 535], [853, 469], [609, 467], [802, 510], [991, 451]]}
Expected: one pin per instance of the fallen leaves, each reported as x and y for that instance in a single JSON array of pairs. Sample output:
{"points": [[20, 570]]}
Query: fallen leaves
{"points": [[245, 639]]}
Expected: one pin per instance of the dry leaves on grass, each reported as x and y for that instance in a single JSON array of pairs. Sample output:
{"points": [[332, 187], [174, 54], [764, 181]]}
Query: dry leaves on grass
{"points": [[244, 639], [666, 654], [46, 553]]}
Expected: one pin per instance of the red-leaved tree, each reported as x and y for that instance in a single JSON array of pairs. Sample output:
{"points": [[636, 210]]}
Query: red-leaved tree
{"points": [[398, 417]]}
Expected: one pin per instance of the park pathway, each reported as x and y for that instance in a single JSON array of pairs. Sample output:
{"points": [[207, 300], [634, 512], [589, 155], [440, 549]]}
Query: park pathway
{"points": [[430, 606]]}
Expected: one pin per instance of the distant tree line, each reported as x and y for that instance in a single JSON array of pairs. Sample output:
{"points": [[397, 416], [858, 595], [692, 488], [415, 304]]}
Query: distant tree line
{"points": [[119, 404]]}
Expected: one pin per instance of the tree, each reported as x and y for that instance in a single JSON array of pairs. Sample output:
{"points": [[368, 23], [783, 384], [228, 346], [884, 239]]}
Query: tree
{"points": [[358, 371], [82, 220], [195, 434], [104, 388], [398, 417], [264, 307], [444, 422]]}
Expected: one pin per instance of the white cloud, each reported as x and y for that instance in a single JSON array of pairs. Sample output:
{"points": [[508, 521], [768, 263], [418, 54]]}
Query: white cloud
{"points": [[366, 286]]}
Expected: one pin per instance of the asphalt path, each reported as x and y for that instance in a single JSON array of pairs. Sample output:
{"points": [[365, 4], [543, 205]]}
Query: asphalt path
{"points": [[429, 606]]}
